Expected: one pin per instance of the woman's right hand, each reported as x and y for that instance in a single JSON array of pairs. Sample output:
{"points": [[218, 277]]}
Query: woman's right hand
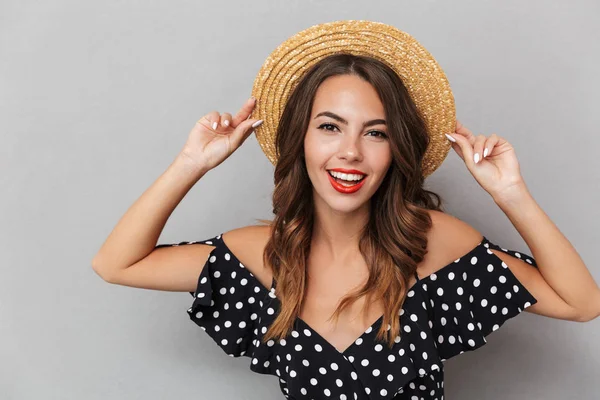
{"points": [[216, 136]]}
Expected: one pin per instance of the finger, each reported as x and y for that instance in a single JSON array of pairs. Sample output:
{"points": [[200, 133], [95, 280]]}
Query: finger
{"points": [[489, 145], [244, 112], [226, 119], [211, 120], [478, 148], [243, 130], [455, 146], [465, 132], [458, 151], [466, 149]]}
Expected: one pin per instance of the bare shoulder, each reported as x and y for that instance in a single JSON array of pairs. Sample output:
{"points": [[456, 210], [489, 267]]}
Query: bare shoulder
{"points": [[448, 239], [247, 244]]}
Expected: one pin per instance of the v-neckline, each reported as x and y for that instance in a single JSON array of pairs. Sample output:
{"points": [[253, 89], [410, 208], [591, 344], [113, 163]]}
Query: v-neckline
{"points": [[367, 330], [374, 325]]}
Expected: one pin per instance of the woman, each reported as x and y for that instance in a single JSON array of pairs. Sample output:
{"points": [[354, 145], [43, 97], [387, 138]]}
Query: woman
{"points": [[355, 234]]}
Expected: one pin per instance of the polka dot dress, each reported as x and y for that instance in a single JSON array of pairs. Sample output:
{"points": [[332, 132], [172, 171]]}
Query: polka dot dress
{"points": [[445, 314]]}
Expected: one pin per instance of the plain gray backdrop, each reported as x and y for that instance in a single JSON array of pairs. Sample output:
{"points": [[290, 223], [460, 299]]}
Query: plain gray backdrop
{"points": [[97, 99]]}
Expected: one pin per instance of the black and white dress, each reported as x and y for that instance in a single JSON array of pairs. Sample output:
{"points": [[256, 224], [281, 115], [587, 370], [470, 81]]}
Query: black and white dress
{"points": [[444, 314]]}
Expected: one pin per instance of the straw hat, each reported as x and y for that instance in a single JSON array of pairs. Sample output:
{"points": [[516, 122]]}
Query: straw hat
{"points": [[421, 74]]}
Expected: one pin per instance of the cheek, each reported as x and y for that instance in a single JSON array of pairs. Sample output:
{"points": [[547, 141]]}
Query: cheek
{"points": [[382, 159], [316, 153]]}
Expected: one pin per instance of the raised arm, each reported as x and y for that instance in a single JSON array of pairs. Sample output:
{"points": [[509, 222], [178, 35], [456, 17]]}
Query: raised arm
{"points": [[128, 256]]}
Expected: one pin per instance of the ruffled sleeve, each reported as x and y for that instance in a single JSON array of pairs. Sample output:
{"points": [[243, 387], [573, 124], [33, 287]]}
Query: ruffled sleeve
{"points": [[227, 300], [473, 297]]}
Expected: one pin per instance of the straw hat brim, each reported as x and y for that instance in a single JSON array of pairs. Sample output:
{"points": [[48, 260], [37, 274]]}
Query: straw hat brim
{"points": [[422, 75]]}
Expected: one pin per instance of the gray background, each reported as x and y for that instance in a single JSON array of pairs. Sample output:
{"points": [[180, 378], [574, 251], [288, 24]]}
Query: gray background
{"points": [[97, 98]]}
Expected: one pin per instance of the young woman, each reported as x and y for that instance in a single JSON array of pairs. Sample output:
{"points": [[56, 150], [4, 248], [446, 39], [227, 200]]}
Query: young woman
{"points": [[361, 286]]}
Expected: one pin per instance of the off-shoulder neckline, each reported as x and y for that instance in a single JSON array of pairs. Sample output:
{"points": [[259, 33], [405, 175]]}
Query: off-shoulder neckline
{"points": [[442, 269], [374, 325]]}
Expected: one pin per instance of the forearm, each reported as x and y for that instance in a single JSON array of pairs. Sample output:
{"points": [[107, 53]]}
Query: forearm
{"points": [[557, 260], [136, 233]]}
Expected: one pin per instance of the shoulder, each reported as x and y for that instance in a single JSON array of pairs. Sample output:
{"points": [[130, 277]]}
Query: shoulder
{"points": [[448, 239], [247, 244]]}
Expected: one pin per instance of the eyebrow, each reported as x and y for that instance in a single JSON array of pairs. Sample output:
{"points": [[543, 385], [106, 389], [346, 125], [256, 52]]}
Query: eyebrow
{"points": [[343, 121]]}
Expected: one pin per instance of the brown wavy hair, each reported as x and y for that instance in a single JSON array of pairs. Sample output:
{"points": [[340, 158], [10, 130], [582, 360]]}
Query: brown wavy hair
{"points": [[393, 241]]}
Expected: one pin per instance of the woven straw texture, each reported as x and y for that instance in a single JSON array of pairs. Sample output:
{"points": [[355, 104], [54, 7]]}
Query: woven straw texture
{"points": [[424, 78]]}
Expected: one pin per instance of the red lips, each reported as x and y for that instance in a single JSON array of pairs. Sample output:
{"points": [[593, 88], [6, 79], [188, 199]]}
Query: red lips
{"points": [[345, 189], [348, 171]]}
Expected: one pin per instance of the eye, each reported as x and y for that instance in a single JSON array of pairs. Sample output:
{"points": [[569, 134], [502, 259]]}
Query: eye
{"points": [[326, 127], [323, 126], [383, 135]]}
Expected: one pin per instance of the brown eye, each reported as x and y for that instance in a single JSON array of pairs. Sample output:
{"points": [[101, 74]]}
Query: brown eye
{"points": [[323, 127], [383, 135]]}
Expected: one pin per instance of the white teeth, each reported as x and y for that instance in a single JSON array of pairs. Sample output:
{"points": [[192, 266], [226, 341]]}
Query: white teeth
{"points": [[346, 177]]}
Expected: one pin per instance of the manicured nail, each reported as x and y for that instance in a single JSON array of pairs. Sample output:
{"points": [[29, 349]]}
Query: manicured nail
{"points": [[476, 158], [450, 138], [214, 125], [257, 123], [485, 153], [226, 122]]}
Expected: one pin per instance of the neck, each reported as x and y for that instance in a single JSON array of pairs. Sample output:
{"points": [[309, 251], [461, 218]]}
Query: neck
{"points": [[336, 234]]}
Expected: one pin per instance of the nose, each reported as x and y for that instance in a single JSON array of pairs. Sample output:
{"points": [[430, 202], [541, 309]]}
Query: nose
{"points": [[349, 150]]}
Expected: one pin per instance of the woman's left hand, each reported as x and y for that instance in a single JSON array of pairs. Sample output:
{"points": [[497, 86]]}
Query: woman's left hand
{"points": [[497, 169]]}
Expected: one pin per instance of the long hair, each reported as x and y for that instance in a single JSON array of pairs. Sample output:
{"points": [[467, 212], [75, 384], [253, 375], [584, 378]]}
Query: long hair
{"points": [[393, 241]]}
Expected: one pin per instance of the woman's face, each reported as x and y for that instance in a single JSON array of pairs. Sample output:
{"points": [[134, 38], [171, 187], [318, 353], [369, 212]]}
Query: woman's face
{"points": [[337, 138]]}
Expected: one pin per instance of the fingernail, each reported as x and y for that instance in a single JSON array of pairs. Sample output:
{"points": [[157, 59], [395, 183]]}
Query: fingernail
{"points": [[450, 138], [226, 122], [485, 152], [476, 158], [257, 123], [214, 125], [253, 98]]}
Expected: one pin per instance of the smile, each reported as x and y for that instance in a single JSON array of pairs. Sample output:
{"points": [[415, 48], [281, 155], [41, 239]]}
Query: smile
{"points": [[346, 186]]}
